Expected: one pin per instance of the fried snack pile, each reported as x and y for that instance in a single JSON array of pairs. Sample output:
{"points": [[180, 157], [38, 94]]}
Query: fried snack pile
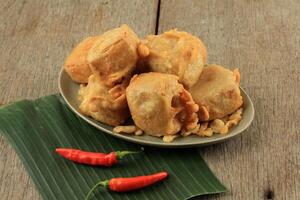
{"points": [[111, 59], [159, 105], [161, 82], [178, 53]]}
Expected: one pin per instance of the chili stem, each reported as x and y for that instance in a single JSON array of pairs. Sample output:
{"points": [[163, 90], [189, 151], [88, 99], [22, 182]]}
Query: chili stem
{"points": [[101, 183], [122, 154]]}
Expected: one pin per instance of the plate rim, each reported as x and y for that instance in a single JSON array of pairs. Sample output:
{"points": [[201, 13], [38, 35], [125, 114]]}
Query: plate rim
{"points": [[153, 143]]}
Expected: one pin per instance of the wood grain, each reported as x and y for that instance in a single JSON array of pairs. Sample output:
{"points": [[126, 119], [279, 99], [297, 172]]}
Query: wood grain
{"points": [[262, 38], [35, 38]]}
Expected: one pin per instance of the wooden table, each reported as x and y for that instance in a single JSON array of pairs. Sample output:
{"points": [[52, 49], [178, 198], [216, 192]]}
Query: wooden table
{"points": [[261, 37]]}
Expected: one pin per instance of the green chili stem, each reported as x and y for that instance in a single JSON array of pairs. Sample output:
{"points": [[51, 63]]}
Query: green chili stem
{"points": [[122, 154], [101, 183]]}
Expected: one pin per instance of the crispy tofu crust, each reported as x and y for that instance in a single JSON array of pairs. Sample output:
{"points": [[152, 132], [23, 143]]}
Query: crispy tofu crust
{"points": [[76, 64], [102, 103], [176, 52], [114, 55], [160, 105], [217, 92]]}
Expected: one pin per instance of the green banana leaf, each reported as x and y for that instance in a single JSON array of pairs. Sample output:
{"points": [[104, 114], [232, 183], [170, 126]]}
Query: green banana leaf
{"points": [[36, 128]]}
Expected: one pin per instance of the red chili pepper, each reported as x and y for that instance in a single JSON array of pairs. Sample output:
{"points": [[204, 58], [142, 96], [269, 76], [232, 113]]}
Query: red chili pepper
{"points": [[129, 184], [92, 158]]}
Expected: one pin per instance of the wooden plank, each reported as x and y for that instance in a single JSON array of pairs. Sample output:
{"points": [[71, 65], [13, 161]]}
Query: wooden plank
{"points": [[262, 38], [35, 38]]}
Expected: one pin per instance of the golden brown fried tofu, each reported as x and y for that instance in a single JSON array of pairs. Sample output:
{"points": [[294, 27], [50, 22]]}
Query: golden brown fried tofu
{"points": [[76, 65], [114, 55], [102, 103], [217, 92], [160, 105], [175, 52]]}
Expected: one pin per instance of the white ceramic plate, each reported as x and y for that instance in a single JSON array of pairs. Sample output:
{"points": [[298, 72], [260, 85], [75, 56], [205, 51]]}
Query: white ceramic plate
{"points": [[69, 91]]}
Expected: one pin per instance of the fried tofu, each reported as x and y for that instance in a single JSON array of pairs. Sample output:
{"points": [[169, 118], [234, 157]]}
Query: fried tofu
{"points": [[76, 64], [217, 92], [160, 105], [175, 52], [107, 105], [114, 55]]}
